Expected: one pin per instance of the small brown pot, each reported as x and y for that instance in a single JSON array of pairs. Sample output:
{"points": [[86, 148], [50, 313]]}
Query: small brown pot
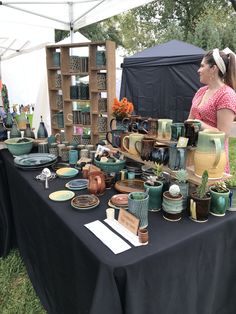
{"points": [[199, 207]]}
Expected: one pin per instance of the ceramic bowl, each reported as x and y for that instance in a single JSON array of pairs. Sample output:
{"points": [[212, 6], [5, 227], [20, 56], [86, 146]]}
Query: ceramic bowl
{"points": [[17, 147]]}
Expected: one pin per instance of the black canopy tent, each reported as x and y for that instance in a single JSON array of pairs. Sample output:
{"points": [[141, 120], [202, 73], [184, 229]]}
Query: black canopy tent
{"points": [[161, 81]]}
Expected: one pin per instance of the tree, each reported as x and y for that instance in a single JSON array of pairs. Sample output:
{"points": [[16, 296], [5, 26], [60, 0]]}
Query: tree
{"points": [[196, 22], [215, 29]]}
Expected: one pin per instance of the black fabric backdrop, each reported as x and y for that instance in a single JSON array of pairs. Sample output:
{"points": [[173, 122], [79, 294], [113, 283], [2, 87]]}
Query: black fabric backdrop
{"points": [[161, 81], [187, 267]]}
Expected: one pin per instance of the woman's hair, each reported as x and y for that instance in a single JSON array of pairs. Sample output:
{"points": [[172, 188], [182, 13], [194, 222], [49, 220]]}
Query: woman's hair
{"points": [[230, 64]]}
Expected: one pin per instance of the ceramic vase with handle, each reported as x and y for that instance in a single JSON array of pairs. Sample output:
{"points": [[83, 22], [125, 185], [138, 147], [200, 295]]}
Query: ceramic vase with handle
{"points": [[210, 154], [132, 138], [164, 129]]}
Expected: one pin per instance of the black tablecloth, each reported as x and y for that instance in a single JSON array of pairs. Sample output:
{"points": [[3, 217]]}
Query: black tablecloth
{"points": [[7, 230], [187, 267]]}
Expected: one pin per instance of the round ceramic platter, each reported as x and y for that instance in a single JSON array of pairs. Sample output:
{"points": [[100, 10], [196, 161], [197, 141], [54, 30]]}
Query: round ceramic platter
{"points": [[67, 172], [116, 206], [127, 186], [77, 184], [83, 202], [34, 160], [35, 167], [119, 199], [62, 195]]}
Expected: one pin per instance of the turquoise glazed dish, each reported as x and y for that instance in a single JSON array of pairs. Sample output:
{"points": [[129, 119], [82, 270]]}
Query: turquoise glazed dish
{"points": [[18, 146]]}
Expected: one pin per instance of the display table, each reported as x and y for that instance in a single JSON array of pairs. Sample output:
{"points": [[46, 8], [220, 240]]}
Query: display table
{"points": [[186, 268]]}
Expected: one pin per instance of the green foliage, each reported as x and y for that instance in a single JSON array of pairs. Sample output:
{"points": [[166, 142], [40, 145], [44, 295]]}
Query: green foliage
{"points": [[16, 292], [158, 169], [215, 28], [202, 189], [232, 156], [220, 187], [181, 176]]}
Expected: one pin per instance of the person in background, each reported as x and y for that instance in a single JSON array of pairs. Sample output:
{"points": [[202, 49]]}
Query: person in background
{"points": [[214, 105]]}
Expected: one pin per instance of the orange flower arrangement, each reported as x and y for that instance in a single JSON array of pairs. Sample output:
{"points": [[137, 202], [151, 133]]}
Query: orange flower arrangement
{"points": [[122, 109]]}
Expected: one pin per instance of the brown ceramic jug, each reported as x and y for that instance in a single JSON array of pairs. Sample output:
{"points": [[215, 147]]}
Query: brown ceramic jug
{"points": [[96, 183]]}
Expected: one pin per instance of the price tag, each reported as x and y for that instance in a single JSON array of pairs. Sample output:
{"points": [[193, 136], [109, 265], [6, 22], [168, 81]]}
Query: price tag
{"points": [[182, 142], [128, 220]]}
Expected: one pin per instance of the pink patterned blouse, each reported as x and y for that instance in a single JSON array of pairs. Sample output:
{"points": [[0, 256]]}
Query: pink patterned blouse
{"points": [[224, 98]]}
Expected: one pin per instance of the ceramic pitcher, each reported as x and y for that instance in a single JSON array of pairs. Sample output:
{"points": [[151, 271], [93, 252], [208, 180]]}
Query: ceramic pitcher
{"points": [[144, 147], [164, 129], [132, 138], [177, 157], [192, 129], [210, 154], [96, 183]]}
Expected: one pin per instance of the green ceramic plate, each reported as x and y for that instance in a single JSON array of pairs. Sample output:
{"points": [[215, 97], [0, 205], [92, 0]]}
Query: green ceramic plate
{"points": [[62, 195], [67, 172]]}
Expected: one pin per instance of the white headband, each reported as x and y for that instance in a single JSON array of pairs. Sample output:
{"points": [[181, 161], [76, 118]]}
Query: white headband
{"points": [[219, 61]]}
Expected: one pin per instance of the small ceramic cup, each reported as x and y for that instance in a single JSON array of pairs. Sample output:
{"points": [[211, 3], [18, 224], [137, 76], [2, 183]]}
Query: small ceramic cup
{"points": [[73, 156], [143, 236], [110, 212], [131, 175]]}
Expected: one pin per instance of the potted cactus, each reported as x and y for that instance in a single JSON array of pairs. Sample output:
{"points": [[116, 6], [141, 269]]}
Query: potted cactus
{"points": [[200, 201], [159, 175], [154, 187], [181, 179], [172, 204], [219, 198]]}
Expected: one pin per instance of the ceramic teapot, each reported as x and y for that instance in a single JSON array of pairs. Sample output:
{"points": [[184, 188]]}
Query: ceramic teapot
{"points": [[96, 183]]}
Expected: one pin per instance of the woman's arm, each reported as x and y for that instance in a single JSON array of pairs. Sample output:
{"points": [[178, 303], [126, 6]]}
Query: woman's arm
{"points": [[225, 118]]}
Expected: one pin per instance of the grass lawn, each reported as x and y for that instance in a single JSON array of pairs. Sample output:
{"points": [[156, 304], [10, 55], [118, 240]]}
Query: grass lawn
{"points": [[16, 292], [17, 295]]}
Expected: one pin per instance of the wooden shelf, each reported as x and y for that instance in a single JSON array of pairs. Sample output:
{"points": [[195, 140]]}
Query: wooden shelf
{"points": [[81, 74], [192, 177], [66, 74]]}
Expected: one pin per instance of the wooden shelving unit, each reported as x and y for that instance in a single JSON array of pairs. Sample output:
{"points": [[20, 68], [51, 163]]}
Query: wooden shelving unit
{"points": [[61, 77]]}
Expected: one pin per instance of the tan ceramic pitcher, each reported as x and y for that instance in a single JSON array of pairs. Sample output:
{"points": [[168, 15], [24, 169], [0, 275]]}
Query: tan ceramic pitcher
{"points": [[132, 139], [164, 129], [210, 154]]}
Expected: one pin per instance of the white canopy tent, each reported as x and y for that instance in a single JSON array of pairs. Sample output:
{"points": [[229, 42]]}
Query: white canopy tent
{"points": [[67, 15], [33, 22]]}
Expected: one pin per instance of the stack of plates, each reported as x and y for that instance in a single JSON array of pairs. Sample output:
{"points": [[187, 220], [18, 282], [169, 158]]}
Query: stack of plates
{"points": [[67, 172], [34, 161], [147, 171], [77, 184], [119, 201], [134, 167], [84, 202]]}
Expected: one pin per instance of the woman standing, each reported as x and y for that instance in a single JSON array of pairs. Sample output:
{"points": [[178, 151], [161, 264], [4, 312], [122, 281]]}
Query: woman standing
{"points": [[214, 105]]}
